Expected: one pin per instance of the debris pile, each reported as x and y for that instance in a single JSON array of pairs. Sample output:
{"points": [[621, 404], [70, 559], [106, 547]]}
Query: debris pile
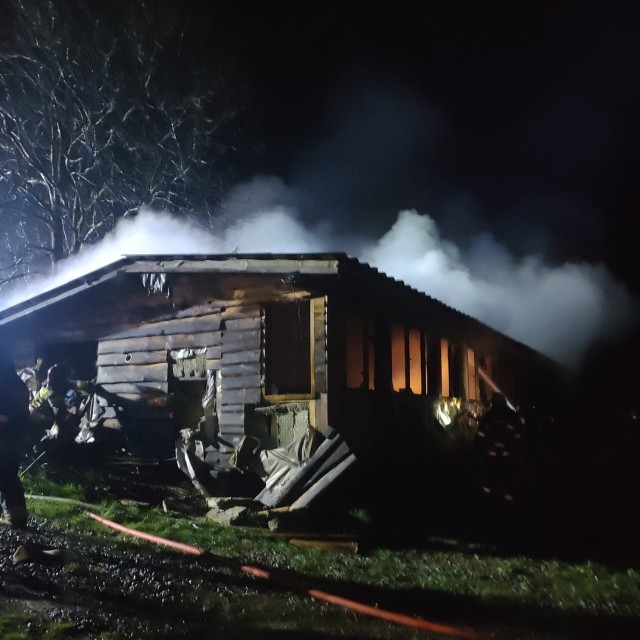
{"points": [[292, 477]]}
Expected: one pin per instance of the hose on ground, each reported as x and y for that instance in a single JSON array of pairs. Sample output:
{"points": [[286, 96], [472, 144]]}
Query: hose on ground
{"points": [[293, 585]]}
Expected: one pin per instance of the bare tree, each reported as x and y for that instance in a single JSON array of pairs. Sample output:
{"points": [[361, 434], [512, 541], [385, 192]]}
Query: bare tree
{"points": [[103, 110]]}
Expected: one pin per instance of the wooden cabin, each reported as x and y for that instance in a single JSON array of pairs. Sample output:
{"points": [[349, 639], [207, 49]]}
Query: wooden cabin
{"points": [[282, 342]]}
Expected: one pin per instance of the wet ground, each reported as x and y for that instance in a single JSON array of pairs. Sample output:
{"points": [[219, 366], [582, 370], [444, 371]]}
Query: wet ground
{"points": [[96, 591], [155, 593], [117, 591]]}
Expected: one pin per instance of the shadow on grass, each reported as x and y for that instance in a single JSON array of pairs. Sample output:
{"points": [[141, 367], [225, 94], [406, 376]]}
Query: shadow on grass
{"points": [[458, 610]]}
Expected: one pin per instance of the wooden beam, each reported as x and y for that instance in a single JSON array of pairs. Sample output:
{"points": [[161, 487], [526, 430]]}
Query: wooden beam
{"points": [[141, 373], [197, 324], [134, 358], [155, 343]]}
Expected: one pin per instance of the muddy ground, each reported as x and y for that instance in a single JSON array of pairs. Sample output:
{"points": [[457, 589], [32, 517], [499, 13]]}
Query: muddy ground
{"points": [[141, 591], [128, 589], [112, 590], [105, 592]]}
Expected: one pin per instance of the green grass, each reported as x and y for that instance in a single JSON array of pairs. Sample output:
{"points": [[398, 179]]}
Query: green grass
{"points": [[20, 626], [460, 570], [14, 626]]}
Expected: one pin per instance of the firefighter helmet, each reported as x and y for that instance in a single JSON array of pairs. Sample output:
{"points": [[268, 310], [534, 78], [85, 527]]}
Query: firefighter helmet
{"points": [[55, 374]]}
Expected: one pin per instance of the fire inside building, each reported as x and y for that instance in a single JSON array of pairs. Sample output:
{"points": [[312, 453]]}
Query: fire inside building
{"points": [[291, 367]]}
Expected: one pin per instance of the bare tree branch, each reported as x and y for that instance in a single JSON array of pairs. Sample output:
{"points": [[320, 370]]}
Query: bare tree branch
{"points": [[104, 109]]}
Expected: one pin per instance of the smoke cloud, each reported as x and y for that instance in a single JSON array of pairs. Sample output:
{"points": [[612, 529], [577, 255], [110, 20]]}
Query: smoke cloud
{"points": [[559, 310]]}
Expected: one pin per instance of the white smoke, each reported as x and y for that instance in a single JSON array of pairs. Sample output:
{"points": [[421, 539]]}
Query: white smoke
{"points": [[558, 310]]}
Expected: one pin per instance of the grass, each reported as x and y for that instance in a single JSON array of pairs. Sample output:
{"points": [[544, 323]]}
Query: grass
{"points": [[448, 568], [19, 626], [14, 626]]}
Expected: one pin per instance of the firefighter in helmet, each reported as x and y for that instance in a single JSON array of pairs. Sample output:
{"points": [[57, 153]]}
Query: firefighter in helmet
{"points": [[52, 408], [14, 441]]}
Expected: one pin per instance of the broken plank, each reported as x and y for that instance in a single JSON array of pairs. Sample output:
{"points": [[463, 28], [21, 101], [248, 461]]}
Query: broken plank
{"points": [[274, 478], [280, 492], [340, 453], [323, 483]]}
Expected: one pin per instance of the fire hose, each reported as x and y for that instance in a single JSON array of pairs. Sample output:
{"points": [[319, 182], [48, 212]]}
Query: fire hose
{"points": [[292, 584]]}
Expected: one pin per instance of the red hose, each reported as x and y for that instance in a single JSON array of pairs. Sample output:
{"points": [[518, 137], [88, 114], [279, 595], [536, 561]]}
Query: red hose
{"points": [[299, 587]]}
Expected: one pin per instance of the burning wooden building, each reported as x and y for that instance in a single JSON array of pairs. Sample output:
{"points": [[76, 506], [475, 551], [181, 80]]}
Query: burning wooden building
{"points": [[270, 346]]}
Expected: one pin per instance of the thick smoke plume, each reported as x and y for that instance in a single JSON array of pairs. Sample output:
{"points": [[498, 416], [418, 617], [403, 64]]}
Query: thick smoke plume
{"points": [[559, 310]]}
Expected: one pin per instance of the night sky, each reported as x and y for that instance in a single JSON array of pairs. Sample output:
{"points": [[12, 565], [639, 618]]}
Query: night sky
{"points": [[520, 121], [514, 128]]}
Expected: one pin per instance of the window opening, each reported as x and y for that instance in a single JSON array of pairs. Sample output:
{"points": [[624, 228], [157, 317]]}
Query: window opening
{"points": [[414, 361], [288, 348], [444, 367], [398, 364], [408, 359], [472, 377]]}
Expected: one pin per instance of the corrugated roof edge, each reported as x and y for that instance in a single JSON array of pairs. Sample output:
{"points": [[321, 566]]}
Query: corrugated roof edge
{"points": [[344, 261], [356, 264], [96, 276]]}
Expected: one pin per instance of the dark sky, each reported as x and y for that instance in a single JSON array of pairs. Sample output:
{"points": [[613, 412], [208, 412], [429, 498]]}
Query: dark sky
{"points": [[519, 120], [522, 121]]}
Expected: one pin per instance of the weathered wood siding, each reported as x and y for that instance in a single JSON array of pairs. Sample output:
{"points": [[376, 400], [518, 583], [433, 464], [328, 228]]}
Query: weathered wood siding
{"points": [[240, 382], [290, 422], [319, 309], [134, 364]]}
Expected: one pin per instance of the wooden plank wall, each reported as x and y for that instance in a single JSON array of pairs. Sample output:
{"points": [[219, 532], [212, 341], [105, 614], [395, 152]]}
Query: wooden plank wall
{"points": [[319, 307], [134, 364], [240, 381]]}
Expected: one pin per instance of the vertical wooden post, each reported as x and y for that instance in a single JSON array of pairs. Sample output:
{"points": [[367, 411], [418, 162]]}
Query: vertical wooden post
{"points": [[434, 366]]}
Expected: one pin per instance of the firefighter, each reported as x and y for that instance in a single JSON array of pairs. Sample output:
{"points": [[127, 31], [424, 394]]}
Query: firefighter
{"points": [[53, 409], [14, 441]]}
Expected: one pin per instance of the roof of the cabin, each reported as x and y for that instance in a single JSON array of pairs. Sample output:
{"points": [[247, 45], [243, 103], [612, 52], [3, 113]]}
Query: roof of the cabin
{"points": [[305, 265]]}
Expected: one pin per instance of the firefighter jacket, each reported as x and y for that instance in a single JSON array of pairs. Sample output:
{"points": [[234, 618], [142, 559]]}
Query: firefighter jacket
{"points": [[14, 413]]}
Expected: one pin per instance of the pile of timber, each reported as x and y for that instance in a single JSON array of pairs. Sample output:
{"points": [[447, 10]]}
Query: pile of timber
{"points": [[298, 487]]}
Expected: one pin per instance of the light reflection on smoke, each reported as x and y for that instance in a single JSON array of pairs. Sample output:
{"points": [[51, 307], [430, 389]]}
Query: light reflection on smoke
{"points": [[557, 310]]}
